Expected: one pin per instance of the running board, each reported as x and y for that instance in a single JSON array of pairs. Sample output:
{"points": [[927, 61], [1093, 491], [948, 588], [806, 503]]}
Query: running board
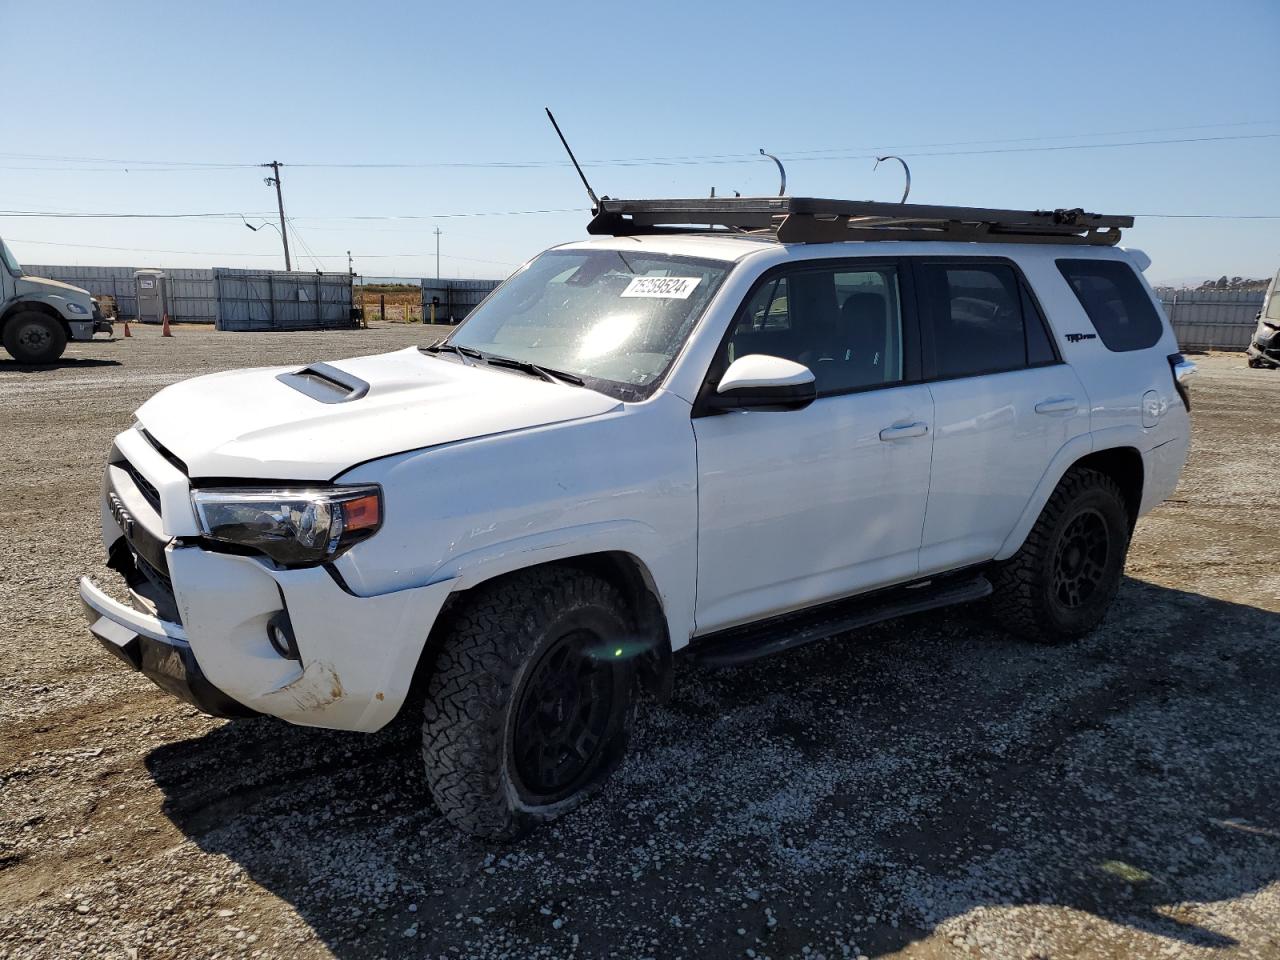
{"points": [[738, 645]]}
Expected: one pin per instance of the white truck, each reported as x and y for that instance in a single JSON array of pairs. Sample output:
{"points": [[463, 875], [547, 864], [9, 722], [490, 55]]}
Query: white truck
{"points": [[38, 316], [715, 441]]}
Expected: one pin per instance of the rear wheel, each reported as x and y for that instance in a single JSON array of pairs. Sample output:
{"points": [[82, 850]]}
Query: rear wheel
{"points": [[34, 337], [1059, 585], [528, 708]]}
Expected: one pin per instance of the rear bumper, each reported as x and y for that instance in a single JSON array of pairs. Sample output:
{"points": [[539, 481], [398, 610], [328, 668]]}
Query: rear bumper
{"points": [[155, 648]]}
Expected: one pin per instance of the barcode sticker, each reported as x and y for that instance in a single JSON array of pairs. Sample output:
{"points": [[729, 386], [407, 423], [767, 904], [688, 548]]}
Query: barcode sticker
{"points": [[667, 288]]}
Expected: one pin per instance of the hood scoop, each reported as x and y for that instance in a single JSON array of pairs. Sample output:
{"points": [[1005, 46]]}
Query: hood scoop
{"points": [[326, 383]]}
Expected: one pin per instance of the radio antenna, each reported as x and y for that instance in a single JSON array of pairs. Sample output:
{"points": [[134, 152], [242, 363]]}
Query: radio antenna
{"points": [[595, 201]]}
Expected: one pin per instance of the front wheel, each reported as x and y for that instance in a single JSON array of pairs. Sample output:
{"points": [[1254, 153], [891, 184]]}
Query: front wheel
{"points": [[529, 705], [34, 337], [1059, 585]]}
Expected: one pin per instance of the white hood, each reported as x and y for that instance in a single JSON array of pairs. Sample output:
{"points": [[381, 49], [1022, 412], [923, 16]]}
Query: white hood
{"points": [[247, 423]]}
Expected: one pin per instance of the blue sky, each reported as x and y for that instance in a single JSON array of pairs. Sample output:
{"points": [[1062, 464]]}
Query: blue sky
{"points": [[326, 82]]}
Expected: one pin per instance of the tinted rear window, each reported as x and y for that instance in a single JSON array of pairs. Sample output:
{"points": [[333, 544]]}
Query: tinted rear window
{"points": [[981, 319], [1115, 301]]}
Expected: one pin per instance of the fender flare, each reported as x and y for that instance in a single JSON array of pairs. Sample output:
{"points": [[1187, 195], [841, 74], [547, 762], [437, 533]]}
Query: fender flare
{"points": [[637, 540], [1074, 450]]}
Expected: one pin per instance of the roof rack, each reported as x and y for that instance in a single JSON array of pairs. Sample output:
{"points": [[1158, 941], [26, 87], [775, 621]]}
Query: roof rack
{"points": [[814, 220]]}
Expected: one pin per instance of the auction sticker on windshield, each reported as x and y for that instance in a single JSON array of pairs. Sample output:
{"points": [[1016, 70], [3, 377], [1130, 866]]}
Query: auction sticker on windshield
{"points": [[670, 288]]}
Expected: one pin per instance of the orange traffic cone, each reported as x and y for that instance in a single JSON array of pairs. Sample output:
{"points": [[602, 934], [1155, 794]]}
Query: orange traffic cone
{"points": [[164, 327], [126, 329]]}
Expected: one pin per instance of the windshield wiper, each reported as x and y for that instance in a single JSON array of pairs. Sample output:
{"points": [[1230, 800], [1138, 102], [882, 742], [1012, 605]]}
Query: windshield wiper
{"points": [[546, 373], [463, 352]]}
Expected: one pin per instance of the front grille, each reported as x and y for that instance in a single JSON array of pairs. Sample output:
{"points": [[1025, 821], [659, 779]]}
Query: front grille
{"points": [[145, 486], [157, 576], [144, 580]]}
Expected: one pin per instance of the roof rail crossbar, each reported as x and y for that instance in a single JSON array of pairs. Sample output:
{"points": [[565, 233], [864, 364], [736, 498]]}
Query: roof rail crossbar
{"points": [[814, 220]]}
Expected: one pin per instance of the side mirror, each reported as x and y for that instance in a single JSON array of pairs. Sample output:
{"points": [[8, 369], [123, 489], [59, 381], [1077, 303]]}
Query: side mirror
{"points": [[759, 380]]}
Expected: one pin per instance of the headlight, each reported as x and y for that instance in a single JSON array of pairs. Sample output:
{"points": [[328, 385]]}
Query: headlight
{"points": [[291, 526], [73, 307]]}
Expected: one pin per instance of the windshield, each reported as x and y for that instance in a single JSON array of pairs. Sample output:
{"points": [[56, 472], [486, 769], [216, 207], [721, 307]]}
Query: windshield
{"points": [[614, 318], [9, 260]]}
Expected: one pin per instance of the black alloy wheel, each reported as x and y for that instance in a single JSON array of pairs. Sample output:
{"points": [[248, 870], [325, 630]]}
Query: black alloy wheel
{"points": [[564, 716], [1080, 561]]}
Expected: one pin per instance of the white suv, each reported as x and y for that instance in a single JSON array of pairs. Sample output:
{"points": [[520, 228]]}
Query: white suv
{"points": [[732, 438]]}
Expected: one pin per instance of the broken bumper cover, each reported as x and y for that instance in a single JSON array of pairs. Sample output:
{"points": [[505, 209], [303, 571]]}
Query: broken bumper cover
{"points": [[155, 648], [357, 654]]}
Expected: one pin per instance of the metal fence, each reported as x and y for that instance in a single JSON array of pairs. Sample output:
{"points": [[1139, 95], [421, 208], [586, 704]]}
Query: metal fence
{"points": [[275, 300], [229, 298], [1212, 319], [191, 293], [457, 297]]}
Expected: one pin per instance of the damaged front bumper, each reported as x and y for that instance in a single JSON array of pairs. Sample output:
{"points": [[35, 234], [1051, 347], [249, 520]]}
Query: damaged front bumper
{"points": [[1265, 344], [158, 649], [201, 621]]}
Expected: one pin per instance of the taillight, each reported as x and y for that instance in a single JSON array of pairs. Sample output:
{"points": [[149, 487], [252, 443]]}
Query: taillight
{"points": [[1183, 370]]}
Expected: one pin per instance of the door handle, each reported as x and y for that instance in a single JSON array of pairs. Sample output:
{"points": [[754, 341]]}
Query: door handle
{"points": [[904, 431], [1057, 405]]}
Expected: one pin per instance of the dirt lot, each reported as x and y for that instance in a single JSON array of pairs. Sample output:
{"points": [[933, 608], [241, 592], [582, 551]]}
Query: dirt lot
{"points": [[926, 789]]}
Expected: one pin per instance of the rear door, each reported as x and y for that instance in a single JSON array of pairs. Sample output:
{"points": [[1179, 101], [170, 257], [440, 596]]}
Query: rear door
{"points": [[801, 506], [1004, 404]]}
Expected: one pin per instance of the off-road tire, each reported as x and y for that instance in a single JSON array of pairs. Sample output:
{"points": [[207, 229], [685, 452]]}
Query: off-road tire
{"points": [[495, 640], [1025, 600], [34, 337]]}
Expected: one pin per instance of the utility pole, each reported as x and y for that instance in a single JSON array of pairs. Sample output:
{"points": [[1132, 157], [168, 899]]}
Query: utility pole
{"points": [[437, 256], [275, 182]]}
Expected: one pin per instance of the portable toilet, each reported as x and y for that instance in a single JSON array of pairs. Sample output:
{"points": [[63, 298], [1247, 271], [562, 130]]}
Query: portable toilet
{"points": [[152, 292]]}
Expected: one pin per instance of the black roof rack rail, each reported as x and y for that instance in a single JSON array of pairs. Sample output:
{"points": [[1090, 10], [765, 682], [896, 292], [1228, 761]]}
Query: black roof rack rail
{"points": [[815, 220]]}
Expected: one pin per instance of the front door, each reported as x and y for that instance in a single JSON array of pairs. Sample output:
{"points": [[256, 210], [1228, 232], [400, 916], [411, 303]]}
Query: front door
{"points": [[801, 506]]}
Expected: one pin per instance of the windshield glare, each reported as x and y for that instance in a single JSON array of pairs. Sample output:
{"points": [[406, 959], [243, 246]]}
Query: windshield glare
{"points": [[605, 315], [9, 260]]}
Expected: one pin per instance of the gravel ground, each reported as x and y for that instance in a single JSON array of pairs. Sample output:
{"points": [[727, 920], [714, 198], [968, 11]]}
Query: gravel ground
{"points": [[923, 789]]}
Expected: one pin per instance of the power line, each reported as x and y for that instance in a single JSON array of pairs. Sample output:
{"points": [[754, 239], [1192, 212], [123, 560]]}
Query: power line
{"points": [[805, 155], [223, 253], [790, 157], [36, 214], [57, 215]]}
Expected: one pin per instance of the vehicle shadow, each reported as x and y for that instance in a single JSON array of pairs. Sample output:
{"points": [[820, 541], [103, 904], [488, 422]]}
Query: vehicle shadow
{"points": [[855, 795], [65, 363]]}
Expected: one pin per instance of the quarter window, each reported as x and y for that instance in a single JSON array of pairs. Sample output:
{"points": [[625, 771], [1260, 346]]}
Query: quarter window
{"points": [[843, 324], [1116, 302], [982, 320]]}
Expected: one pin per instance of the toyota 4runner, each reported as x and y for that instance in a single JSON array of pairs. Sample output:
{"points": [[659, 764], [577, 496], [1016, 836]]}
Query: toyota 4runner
{"points": [[725, 427]]}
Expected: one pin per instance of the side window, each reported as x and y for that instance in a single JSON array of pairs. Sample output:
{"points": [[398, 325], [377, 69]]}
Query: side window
{"points": [[844, 324], [1116, 302], [981, 319]]}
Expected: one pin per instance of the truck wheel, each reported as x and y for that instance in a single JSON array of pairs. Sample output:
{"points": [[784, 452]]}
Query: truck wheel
{"points": [[1058, 586], [527, 711], [34, 337]]}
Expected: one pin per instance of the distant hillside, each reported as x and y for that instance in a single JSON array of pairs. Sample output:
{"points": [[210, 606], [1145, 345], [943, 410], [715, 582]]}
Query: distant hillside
{"points": [[1234, 283]]}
